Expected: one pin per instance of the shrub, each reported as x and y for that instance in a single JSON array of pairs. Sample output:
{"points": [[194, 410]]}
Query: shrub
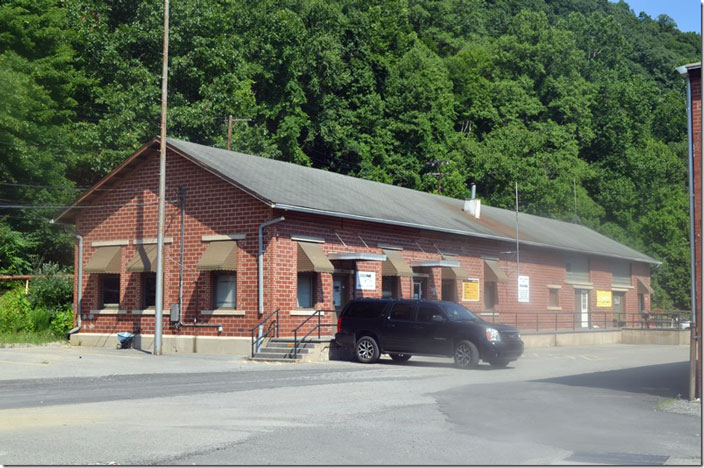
{"points": [[51, 292], [40, 319], [62, 322], [14, 311]]}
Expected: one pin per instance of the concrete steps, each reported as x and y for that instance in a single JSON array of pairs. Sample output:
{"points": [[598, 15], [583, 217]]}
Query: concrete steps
{"points": [[281, 350]]}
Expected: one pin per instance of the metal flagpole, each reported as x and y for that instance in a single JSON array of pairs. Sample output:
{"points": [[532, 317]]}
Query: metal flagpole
{"points": [[162, 192]]}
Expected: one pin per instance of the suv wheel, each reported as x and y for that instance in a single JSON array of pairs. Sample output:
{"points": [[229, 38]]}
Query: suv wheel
{"points": [[400, 357], [466, 354], [367, 351]]}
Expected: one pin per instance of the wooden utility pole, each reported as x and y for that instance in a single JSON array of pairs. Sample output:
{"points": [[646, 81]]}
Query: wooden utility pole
{"points": [[229, 130], [159, 300]]}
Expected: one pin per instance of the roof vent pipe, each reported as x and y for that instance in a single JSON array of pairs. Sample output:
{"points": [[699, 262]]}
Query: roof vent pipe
{"points": [[473, 205]]}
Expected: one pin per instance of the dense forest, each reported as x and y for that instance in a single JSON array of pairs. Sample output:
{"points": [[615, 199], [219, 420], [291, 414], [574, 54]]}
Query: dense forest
{"points": [[576, 100]]}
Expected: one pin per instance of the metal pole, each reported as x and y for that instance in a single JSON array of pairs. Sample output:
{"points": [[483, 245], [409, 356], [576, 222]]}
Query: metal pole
{"points": [[162, 192], [229, 134]]}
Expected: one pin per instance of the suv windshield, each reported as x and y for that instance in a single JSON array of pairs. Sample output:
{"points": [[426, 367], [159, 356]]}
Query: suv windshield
{"points": [[457, 313]]}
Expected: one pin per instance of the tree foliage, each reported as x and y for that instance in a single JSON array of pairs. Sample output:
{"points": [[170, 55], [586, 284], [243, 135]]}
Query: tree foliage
{"points": [[573, 99]]}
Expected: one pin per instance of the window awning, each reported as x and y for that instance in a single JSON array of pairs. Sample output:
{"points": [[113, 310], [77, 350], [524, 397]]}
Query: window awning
{"points": [[644, 288], [220, 255], [454, 272], [492, 272], [144, 259], [395, 265], [312, 258], [104, 260]]}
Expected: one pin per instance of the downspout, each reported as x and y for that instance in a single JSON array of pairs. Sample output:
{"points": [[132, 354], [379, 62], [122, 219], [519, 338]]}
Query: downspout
{"points": [[260, 275], [79, 305]]}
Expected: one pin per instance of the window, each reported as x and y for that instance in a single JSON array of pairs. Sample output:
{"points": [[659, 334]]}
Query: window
{"points": [[554, 298], [148, 290], [427, 312], [224, 290], [365, 309], [621, 274], [389, 287], [109, 291], [491, 295], [577, 269], [402, 311], [306, 290]]}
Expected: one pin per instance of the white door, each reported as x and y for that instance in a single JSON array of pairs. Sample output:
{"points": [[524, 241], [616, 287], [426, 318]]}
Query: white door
{"points": [[418, 290], [337, 293], [585, 308]]}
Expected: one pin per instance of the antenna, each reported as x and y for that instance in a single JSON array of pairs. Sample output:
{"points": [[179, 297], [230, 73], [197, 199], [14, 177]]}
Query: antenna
{"points": [[518, 252], [575, 216]]}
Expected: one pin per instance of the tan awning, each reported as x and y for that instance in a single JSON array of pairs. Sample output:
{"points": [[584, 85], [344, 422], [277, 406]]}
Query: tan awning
{"points": [[395, 265], [644, 288], [457, 273], [494, 273], [144, 259], [220, 255], [312, 258], [104, 260]]}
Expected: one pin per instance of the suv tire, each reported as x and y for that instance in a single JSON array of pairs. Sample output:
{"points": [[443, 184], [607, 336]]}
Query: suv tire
{"points": [[366, 350], [466, 355], [400, 357], [499, 363]]}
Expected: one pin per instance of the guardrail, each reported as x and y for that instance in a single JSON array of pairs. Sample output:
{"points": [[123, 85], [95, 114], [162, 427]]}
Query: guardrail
{"points": [[561, 321], [274, 325]]}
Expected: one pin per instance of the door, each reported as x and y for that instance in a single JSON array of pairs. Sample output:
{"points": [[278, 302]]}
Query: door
{"points": [[449, 290], [340, 295], [398, 332], [619, 309], [431, 330], [582, 307], [418, 290]]}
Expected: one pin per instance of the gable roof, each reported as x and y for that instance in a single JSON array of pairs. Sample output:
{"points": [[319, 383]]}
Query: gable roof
{"points": [[291, 187]]}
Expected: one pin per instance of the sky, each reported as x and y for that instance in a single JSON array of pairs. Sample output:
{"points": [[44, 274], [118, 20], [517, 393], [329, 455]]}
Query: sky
{"points": [[686, 13]]}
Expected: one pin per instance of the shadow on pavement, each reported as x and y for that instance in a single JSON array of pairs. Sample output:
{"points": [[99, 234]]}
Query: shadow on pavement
{"points": [[665, 380]]}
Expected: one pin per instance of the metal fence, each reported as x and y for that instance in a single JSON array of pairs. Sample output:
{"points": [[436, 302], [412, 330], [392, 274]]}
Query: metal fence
{"points": [[561, 321]]}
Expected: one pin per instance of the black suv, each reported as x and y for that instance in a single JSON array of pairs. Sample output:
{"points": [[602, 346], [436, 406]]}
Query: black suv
{"points": [[402, 328]]}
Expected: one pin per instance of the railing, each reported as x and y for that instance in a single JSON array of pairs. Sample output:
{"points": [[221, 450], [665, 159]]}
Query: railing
{"points": [[563, 321], [273, 325], [317, 327]]}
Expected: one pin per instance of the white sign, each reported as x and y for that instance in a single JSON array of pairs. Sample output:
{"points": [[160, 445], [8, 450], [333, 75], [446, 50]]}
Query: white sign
{"points": [[366, 280], [523, 289]]}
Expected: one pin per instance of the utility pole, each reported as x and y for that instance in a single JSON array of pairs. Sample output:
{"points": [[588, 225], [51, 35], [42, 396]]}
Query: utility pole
{"points": [[162, 192], [229, 130], [438, 164]]}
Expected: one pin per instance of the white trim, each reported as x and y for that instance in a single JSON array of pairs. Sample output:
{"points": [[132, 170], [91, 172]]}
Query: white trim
{"points": [[152, 240], [554, 308], [578, 285], [489, 314], [109, 311], [389, 246], [223, 311], [147, 311], [554, 286], [371, 257], [303, 238], [436, 264], [621, 288], [420, 275], [109, 243], [223, 237], [305, 312]]}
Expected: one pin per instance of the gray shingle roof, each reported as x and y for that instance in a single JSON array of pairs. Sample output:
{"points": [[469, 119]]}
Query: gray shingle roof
{"points": [[297, 188]]}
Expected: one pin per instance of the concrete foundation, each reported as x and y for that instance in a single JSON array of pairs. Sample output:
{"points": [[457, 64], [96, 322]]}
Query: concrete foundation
{"points": [[600, 337], [170, 343]]}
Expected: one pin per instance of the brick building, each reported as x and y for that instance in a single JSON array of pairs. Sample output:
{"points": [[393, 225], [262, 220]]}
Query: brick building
{"points": [[325, 238], [693, 74]]}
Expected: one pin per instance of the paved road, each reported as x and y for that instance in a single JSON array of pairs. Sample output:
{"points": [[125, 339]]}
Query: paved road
{"points": [[598, 405]]}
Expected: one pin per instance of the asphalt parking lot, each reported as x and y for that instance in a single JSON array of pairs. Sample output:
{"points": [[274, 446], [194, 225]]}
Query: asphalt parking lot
{"points": [[611, 404]]}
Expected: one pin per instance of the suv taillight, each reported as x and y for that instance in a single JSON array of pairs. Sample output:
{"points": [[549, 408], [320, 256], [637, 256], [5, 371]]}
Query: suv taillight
{"points": [[339, 324]]}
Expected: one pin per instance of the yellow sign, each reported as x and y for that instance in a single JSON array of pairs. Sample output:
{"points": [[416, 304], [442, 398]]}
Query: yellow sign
{"points": [[470, 290], [603, 298]]}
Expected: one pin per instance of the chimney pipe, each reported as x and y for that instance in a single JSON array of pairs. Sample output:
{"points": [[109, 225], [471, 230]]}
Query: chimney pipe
{"points": [[473, 205]]}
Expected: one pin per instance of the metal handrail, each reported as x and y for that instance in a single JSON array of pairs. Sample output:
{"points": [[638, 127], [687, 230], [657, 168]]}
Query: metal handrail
{"points": [[317, 327], [275, 324]]}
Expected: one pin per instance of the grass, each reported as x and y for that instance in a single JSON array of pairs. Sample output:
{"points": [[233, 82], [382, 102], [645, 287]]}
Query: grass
{"points": [[33, 338], [664, 403]]}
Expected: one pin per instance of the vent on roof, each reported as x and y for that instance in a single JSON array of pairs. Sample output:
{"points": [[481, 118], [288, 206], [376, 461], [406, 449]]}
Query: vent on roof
{"points": [[473, 205]]}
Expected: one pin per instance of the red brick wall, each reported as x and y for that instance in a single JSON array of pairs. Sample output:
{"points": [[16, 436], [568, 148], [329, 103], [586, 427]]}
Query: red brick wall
{"points": [[216, 207]]}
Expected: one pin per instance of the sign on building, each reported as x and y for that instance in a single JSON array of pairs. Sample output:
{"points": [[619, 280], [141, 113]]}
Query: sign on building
{"points": [[366, 280], [523, 289], [470, 290], [603, 298]]}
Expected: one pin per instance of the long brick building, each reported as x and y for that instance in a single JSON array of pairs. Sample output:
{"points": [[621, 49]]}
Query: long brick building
{"points": [[326, 238]]}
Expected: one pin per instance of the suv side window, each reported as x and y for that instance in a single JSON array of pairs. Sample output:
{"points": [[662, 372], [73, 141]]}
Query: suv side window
{"points": [[402, 311], [426, 313], [365, 309]]}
